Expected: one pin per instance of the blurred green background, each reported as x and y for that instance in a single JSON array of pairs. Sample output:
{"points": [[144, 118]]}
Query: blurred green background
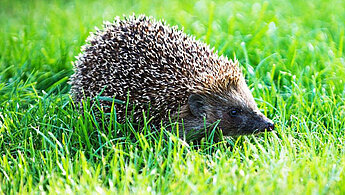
{"points": [[304, 38]]}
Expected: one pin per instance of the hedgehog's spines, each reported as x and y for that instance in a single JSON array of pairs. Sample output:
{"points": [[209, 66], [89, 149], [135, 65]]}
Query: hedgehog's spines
{"points": [[156, 62]]}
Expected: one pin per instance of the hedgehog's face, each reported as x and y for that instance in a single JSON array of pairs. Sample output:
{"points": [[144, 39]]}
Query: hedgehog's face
{"points": [[236, 120], [237, 113]]}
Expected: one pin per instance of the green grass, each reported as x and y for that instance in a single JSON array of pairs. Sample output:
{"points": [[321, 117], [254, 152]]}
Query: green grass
{"points": [[292, 54]]}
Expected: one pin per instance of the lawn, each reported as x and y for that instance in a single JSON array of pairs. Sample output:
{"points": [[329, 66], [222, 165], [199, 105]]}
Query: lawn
{"points": [[291, 53]]}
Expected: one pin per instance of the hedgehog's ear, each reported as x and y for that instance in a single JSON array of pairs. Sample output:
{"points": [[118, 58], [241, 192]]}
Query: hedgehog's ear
{"points": [[197, 105]]}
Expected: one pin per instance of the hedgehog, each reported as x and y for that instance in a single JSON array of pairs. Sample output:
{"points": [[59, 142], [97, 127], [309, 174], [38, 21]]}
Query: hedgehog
{"points": [[159, 68]]}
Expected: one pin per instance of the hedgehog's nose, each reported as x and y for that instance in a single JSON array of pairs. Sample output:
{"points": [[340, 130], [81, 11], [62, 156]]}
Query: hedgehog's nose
{"points": [[270, 126]]}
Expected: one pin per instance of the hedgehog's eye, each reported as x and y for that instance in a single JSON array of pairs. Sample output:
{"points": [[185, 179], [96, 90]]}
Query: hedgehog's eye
{"points": [[234, 112]]}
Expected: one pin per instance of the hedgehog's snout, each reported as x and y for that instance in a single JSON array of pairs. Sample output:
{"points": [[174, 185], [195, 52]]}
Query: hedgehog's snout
{"points": [[269, 125]]}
